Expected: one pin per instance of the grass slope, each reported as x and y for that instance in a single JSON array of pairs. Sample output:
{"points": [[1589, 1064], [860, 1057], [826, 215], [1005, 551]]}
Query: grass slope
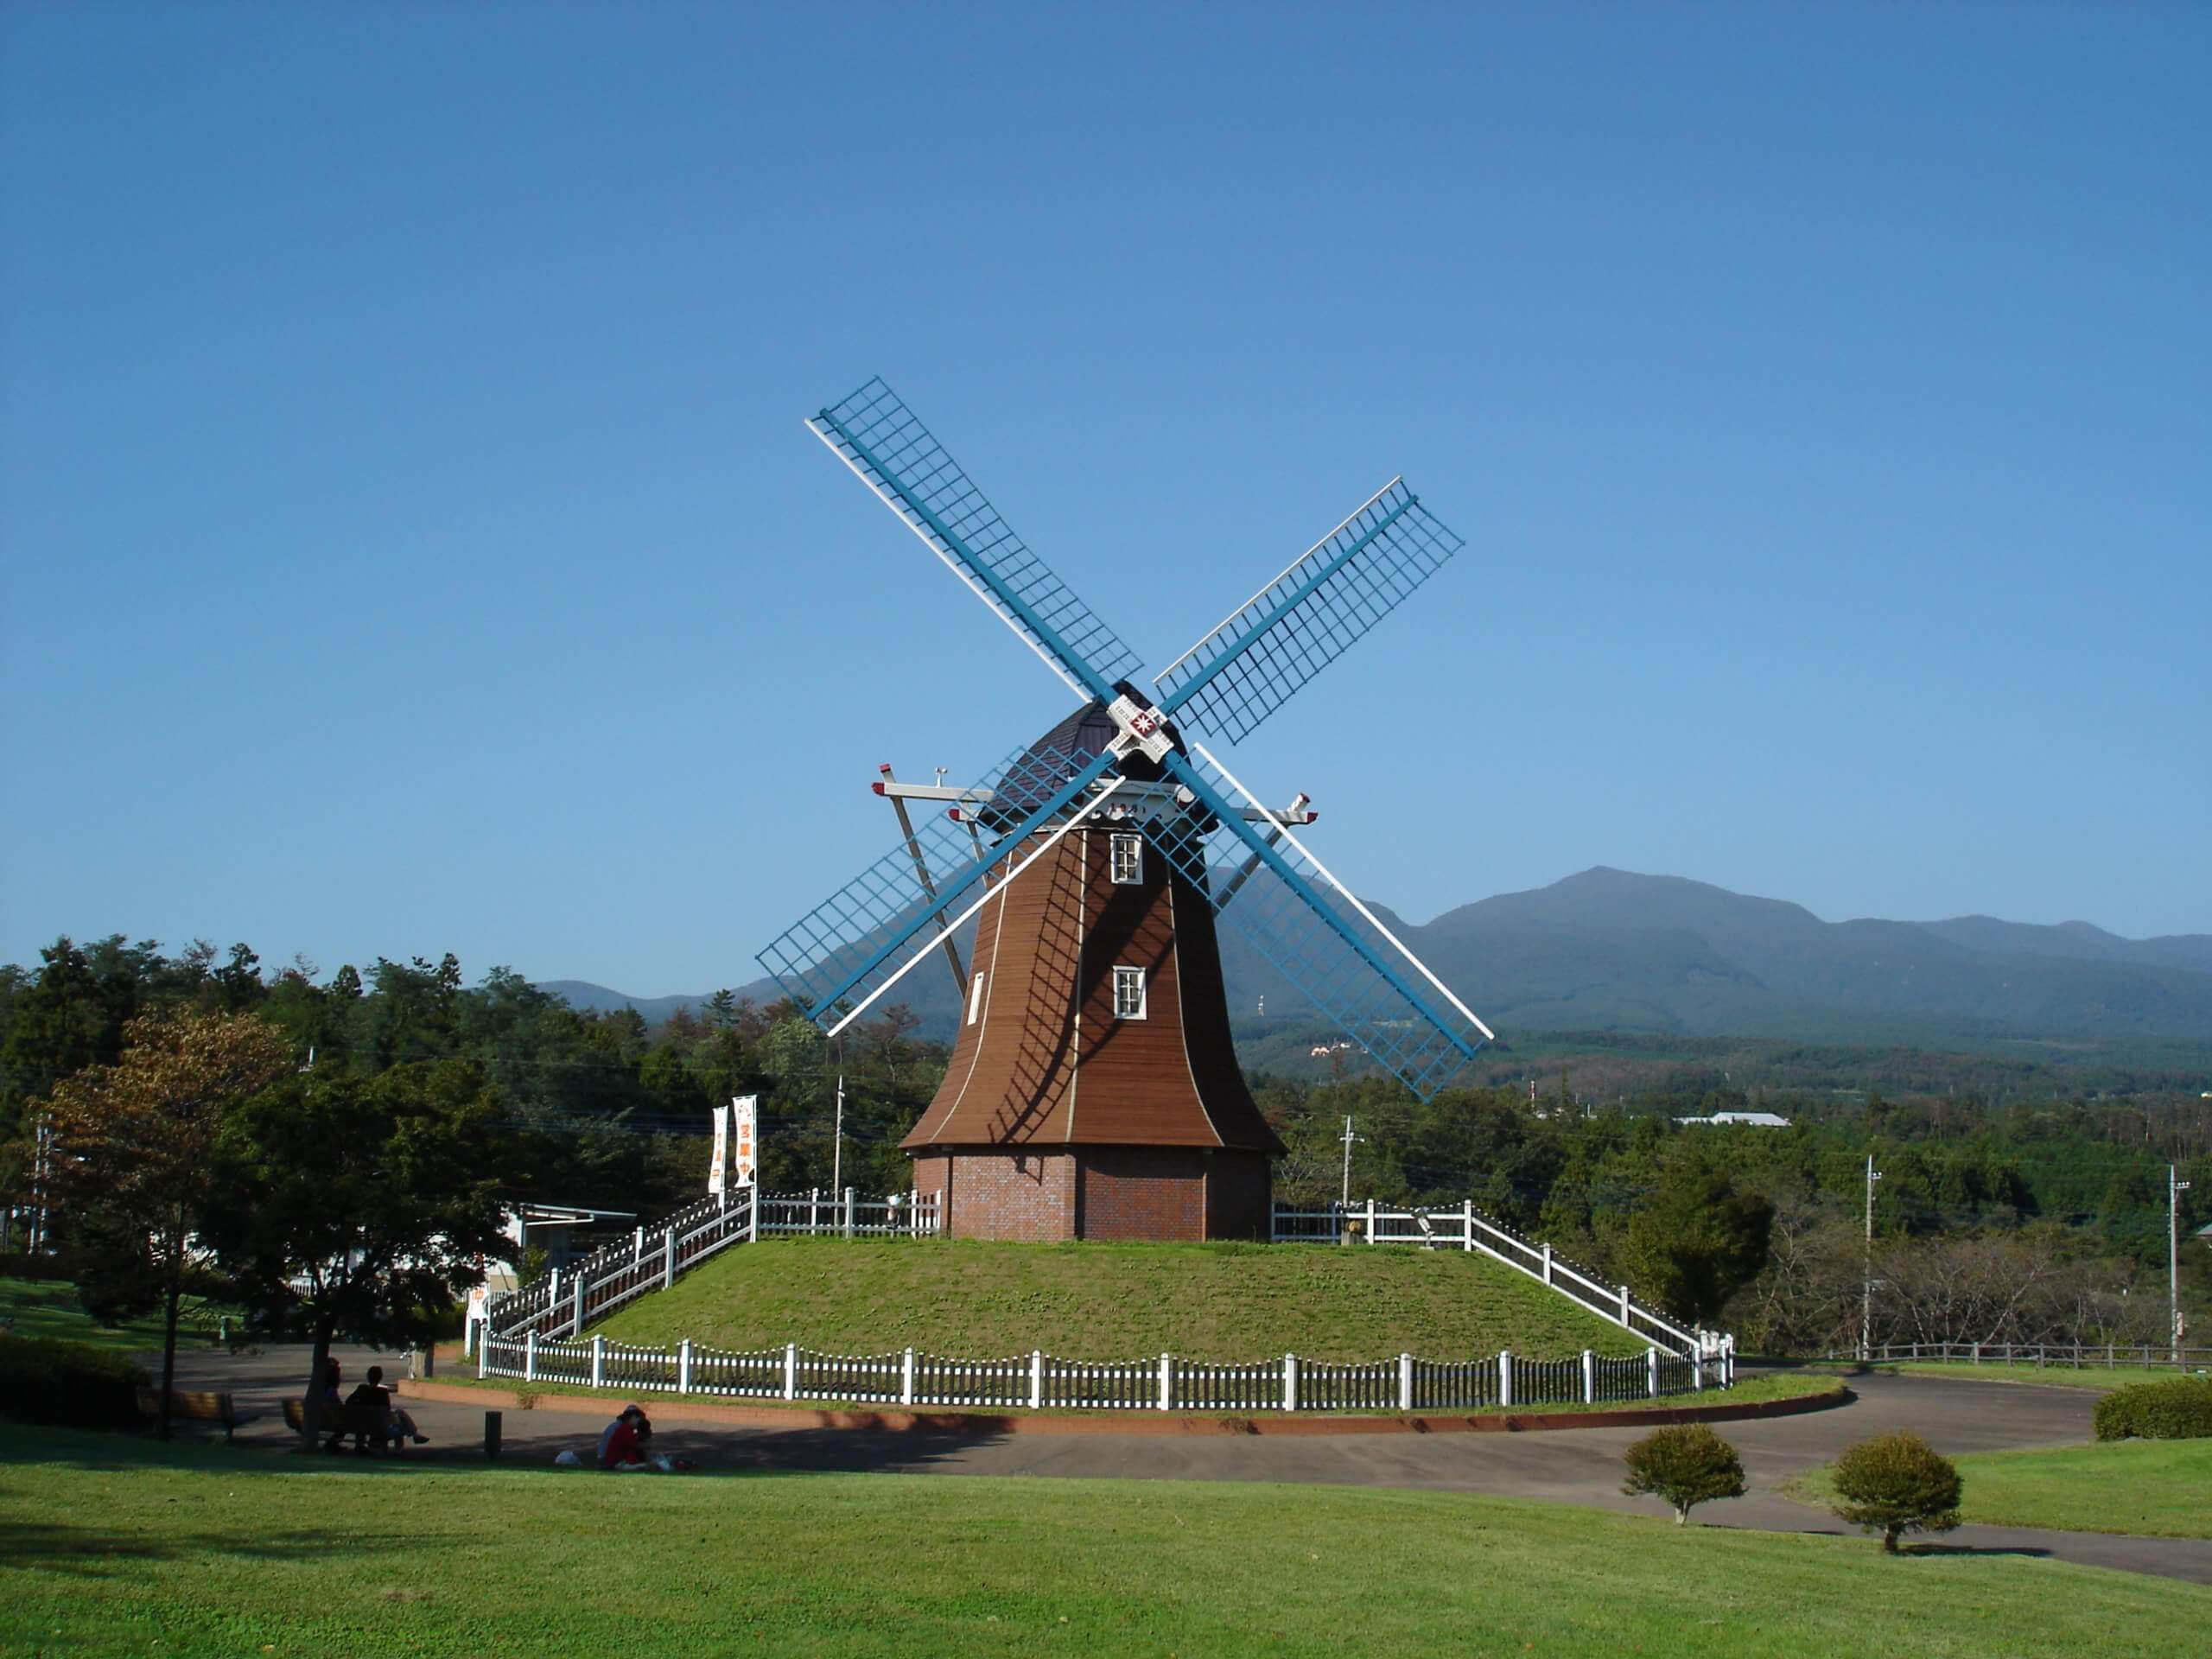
{"points": [[1114, 1302], [2101, 1378], [48, 1308], [110, 1546]]}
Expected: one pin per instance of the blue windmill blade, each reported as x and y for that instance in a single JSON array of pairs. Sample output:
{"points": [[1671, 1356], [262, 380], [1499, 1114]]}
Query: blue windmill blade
{"points": [[1308, 616], [847, 945], [883, 442], [1315, 932]]}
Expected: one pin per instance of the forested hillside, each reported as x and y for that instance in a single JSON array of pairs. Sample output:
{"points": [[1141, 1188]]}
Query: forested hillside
{"points": [[2020, 1198]]}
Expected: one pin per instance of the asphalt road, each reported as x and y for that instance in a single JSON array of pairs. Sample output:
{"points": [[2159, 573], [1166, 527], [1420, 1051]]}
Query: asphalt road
{"points": [[1580, 1466]]}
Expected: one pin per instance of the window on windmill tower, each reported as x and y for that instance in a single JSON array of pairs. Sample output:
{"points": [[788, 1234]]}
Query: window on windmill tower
{"points": [[1128, 992], [1128, 857]]}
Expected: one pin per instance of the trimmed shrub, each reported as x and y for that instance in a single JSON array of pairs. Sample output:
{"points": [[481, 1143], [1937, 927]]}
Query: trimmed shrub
{"points": [[2177, 1408], [1896, 1483], [68, 1384], [1685, 1463]]}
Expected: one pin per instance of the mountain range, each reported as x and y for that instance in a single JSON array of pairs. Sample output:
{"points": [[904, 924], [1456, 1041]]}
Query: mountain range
{"points": [[1611, 950]]}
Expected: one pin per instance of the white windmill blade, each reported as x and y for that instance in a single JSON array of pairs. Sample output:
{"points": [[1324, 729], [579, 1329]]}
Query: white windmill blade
{"points": [[1075, 815], [1280, 832], [889, 450]]}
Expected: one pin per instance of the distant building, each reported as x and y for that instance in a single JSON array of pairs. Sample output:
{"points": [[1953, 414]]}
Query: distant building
{"points": [[1756, 1120]]}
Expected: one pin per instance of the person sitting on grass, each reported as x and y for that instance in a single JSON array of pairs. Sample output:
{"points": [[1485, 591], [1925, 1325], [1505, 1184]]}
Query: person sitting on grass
{"points": [[622, 1446]]}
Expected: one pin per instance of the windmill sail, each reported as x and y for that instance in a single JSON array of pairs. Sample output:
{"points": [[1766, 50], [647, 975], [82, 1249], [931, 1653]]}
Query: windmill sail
{"points": [[847, 945], [1317, 933], [883, 442], [1308, 616]]}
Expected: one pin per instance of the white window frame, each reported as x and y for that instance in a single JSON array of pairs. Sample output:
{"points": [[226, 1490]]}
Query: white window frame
{"points": [[1116, 844], [976, 1000], [1125, 978]]}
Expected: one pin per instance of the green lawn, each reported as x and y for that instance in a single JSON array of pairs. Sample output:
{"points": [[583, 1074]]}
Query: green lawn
{"points": [[1114, 1302], [110, 1545], [2154, 1487], [2103, 1378], [48, 1307]]}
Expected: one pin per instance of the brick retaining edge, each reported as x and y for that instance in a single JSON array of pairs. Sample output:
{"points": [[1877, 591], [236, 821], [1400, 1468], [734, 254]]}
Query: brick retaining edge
{"points": [[900, 1420]]}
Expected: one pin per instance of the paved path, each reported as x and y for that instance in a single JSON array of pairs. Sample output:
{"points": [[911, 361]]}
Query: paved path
{"points": [[1580, 1467]]}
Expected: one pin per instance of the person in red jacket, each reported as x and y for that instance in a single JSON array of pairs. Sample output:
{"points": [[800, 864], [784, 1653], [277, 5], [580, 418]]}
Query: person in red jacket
{"points": [[623, 1444]]}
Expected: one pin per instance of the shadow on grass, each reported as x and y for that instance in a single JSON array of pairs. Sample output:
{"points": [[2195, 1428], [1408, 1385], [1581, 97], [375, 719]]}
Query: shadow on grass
{"points": [[1971, 1549], [83, 1549]]}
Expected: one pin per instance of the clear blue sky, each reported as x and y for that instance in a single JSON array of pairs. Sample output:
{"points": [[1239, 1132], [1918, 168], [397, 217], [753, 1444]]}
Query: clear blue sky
{"points": [[411, 542]]}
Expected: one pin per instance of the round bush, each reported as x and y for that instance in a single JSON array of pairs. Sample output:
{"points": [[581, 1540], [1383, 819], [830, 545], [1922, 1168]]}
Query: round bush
{"points": [[1896, 1483], [1684, 1464], [2178, 1408]]}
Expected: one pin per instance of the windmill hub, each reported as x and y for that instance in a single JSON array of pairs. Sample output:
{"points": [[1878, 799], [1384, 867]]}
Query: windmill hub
{"points": [[1093, 1089]]}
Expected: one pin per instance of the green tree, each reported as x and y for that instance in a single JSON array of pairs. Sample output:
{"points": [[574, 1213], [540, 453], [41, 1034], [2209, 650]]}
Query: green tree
{"points": [[361, 1206], [1896, 1483], [130, 1146], [1698, 1240], [1686, 1464]]}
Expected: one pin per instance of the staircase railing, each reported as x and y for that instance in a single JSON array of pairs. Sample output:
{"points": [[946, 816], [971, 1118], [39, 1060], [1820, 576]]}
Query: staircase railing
{"points": [[1467, 1228], [567, 1301]]}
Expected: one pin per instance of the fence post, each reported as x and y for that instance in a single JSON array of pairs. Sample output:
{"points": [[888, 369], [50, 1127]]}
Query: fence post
{"points": [[906, 1380], [1589, 1378], [1405, 1381], [813, 1208], [1728, 1361], [1505, 1377], [668, 1258], [1626, 1306], [1167, 1381], [577, 1320], [1036, 1377], [637, 1249], [1371, 1221], [553, 1288], [529, 1354], [1651, 1373], [1697, 1370], [790, 1370], [753, 1215], [1467, 1223], [849, 1212], [1290, 1382], [1548, 1264], [683, 1366], [484, 1353], [598, 1362]]}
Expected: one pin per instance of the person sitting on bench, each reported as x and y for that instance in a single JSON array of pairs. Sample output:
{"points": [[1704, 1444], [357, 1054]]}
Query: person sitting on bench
{"points": [[394, 1420]]}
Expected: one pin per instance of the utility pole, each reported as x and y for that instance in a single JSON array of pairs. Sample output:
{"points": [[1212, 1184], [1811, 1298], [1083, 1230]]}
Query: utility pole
{"points": [[1343, 1201], [2174, 1189], [1866, 1308], [837, 1143]]}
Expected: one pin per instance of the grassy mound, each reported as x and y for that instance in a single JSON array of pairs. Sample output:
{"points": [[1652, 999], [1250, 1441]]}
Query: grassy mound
{"points": [[191, 1550], [1094, 1301]]}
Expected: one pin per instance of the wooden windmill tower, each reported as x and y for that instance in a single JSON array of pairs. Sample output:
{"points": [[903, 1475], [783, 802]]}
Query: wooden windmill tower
{"points": [[1093, 1090]]}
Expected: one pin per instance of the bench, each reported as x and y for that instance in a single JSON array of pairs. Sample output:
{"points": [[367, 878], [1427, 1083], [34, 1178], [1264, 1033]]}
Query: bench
{"points": [[338, 1424], [197, 1404]]}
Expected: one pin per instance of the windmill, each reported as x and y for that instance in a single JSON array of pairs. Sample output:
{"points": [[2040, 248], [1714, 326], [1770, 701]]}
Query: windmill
{"points": [[1093, 1090]]}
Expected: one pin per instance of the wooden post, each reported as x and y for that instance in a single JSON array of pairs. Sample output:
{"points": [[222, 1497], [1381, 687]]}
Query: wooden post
{"points": [[683, 1366], [576, 1319], [1371, 1221], [637, 1249], [1651, 1373], [530, 1356], [1467, 1224], [849, 1212], [813, 1209], [1589, 1378], [753, 1215], [906, 1380], [790, 1370], [1505, 1377], [598, 1362], [1036, 1369], [1290, 1382], [1167, 1381], [668, 1258], [1624, 1305], [1697, 1370], [1405, 1381], [1548, 1264]]}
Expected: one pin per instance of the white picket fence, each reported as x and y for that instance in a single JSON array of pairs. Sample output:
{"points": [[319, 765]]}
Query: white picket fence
{"points": [[568, 1301], [1041, 1382], [1466, 1228]]}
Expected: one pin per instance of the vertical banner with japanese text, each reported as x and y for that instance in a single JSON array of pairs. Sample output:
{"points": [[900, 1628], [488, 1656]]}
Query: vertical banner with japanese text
{"points": [[744, 1111], [717, 1171]]}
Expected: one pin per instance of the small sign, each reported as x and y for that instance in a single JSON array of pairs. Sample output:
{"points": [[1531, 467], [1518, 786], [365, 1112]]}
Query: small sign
{"points": [[745, 1112], [717, 1171]]}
